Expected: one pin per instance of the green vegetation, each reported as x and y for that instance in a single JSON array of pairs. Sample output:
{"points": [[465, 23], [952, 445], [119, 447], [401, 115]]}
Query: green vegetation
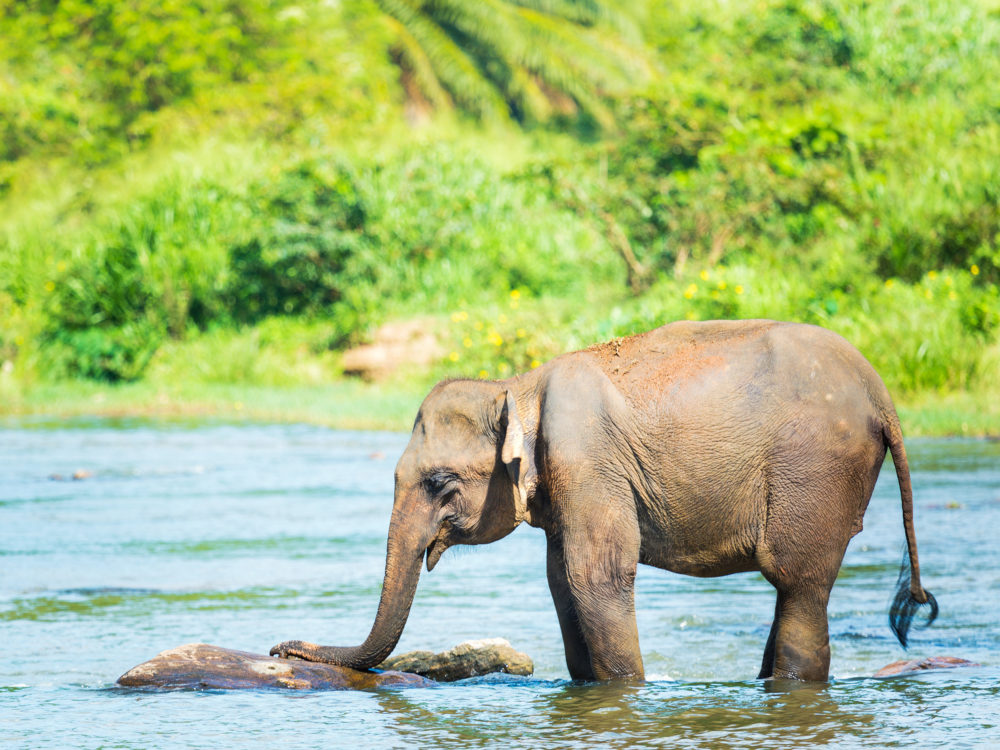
{"points": [[203, 204]]}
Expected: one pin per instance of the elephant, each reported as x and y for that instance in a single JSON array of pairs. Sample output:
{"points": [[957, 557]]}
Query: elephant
{"points": [[703, 448]]}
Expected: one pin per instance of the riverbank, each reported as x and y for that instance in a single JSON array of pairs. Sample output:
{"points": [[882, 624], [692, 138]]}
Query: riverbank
{"points": [[343, 405], [350, 404]]}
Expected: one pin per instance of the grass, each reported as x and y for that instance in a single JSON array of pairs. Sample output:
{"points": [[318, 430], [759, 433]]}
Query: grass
{"points": [[965, 414], [344, 405]]}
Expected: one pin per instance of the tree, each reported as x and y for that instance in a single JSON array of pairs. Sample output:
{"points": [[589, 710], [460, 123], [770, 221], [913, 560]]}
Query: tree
{"points": [[530, 60]]}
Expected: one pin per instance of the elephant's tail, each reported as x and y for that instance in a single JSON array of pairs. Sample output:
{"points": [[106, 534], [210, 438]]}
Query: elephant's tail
{"points": [[910, 595]]}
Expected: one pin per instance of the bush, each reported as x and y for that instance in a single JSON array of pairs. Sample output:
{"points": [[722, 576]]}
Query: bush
{"points": [[102, 320], [112, 352], [415, 233], [142, 55], [143, 270], [305, 248], [800, 31]]}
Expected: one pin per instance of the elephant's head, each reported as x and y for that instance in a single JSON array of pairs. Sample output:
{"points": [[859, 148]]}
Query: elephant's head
{"points": [[461, 480]]}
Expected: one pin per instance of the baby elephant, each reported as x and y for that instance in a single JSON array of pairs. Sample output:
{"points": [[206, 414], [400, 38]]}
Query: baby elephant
{"points": [[702, 448]]}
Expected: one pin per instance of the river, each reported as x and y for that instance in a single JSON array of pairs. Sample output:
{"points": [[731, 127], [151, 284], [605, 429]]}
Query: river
{"points": [[247, 535]]}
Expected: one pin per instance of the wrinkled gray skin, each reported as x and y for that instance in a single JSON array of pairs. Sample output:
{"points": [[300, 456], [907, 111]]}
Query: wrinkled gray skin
{"points": [[700, 448]]}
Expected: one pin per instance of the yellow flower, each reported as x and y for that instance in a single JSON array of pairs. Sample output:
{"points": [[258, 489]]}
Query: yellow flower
{"points": [[722, 284], [690, 291], [949, 281], [535, 363], [61, 266], [738, 289], [703, 275], [478, 325], [521, 333], [458, 317], [483, 374], [515, 294], [466, 342], [453, 356], [495, 338], [928, 293], [952, 296], [890, 283], [974, 270], [691, 315], [504, 368], [50, 286]]}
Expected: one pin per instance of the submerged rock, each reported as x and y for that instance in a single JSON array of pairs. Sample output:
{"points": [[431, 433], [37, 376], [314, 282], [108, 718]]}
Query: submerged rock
{"points": [[199, 666], [468, 659], [919, 665]]}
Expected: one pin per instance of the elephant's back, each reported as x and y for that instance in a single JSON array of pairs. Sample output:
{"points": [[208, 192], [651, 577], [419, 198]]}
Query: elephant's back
{"points": [[740, 362], [656, 366]]}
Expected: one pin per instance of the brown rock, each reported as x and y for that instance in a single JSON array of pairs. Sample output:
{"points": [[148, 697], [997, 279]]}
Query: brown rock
{"points": [[199, 666], [395, 345], [919, 665], [468, 659]]}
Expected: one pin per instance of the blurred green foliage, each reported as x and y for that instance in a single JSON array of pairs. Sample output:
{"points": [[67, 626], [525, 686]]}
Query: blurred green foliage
{"points": [[242, 180]]}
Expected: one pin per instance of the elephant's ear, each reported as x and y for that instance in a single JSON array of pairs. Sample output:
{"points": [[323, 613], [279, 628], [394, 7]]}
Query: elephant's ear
{"points": [[512, 453], [513, 439]]}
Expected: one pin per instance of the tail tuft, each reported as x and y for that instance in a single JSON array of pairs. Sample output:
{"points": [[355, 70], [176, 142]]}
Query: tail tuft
{"points": [[906, 604]]}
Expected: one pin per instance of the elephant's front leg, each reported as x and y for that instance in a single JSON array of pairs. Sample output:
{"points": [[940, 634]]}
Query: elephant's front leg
{"points": [[577, 653], [599, 567]]}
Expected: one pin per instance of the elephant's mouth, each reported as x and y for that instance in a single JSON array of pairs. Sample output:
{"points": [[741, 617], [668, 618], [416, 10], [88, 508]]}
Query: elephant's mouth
{"points": [[435, 549]]}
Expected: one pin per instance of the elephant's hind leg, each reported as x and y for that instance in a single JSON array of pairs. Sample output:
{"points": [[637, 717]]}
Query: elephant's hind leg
{"points": [[798, 647], [801, 554]]}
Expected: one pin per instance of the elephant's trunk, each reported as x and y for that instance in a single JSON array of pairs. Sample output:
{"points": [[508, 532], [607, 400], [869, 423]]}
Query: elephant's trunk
{"points": [[404, 555]]}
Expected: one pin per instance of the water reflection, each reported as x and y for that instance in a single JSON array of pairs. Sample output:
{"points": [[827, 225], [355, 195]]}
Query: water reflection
{"points": [[726, 715]]}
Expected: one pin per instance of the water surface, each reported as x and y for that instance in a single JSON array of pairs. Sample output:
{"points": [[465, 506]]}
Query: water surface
{"points": [[244, 536]]}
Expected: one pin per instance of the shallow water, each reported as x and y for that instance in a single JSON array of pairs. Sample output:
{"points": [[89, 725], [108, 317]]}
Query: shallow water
{"points": [[244, 536]]}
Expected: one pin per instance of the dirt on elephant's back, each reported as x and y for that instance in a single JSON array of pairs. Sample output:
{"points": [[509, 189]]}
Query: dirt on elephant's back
{"points": [[646, 365]]}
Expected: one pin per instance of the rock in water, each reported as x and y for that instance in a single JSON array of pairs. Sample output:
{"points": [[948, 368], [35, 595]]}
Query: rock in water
{"points": [[467, 659], [199, 666], [919, 665]]}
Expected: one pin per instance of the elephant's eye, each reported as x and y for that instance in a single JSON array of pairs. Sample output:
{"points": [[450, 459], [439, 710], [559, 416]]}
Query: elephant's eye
{"points": [[438, 482]]}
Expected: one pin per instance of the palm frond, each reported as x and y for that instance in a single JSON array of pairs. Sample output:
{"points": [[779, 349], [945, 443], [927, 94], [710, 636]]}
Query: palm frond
{"points": [[623, 18], [418, 65], [523, 57], [454, 68]]}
